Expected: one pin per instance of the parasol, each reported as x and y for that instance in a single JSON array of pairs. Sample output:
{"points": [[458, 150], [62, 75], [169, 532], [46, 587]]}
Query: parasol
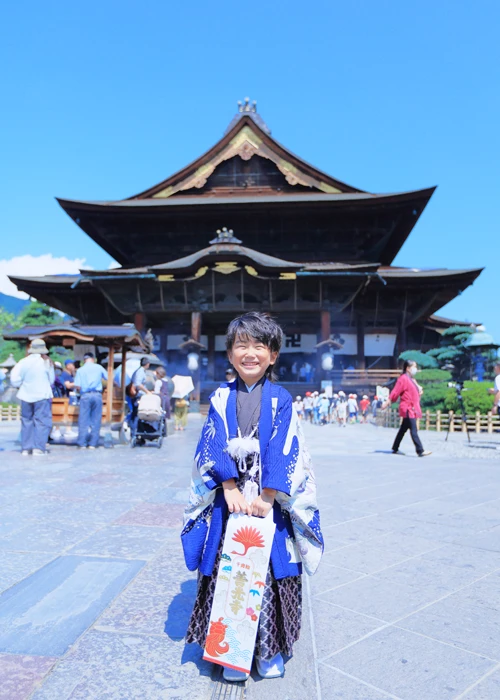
{"points": [[182, 386]]}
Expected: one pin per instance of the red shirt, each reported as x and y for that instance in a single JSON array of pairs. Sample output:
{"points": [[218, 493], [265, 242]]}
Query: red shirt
{"points": [[364, 403], [406, 390]]}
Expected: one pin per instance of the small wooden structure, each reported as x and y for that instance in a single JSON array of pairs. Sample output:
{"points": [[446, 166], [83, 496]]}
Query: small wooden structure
{"points": [[113, 338]]}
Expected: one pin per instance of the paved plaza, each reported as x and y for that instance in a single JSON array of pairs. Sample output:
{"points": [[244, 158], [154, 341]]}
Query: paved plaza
{"points": [[95, 597]]}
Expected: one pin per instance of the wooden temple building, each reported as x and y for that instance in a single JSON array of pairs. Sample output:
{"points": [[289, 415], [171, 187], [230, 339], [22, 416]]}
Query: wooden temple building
{"points": [[251, 226]]}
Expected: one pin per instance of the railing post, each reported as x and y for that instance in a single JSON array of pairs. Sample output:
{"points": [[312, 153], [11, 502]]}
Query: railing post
{"points": [[438, 421], [451, 421], [427, 419], [478, 422], [490, 422]]}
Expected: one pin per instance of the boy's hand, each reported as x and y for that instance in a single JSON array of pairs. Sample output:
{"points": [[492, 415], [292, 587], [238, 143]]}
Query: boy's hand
{"points": [[263, 503], [234, 498]]}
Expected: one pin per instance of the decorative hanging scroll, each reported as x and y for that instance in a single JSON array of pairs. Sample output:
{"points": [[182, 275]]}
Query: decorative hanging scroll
{"points": [[240, 586]]}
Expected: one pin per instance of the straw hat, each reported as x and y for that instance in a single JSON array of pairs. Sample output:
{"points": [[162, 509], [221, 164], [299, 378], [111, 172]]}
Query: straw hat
{"points": [[38, 347]]}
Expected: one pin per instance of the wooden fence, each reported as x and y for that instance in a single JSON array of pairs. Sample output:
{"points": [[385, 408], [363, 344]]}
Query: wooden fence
{"points": [[10, 412], [442, 421]]}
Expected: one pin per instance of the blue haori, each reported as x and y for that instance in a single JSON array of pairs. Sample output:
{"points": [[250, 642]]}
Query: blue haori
{"points": [[285, 466]]}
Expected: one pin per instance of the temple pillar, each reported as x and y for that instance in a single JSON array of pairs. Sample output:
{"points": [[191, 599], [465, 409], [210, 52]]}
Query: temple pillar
{"points": [[211, 358], [326, 328], [196, 325], [140, 321], [196, 335], [360, 336]]}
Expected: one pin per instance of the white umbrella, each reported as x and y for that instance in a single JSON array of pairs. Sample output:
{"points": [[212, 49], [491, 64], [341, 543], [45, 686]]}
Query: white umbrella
{"points": [[182, 386]]}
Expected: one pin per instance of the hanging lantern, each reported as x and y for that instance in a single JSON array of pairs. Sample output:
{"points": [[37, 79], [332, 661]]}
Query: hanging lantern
{"points": [[327, 362], [193, 361]]}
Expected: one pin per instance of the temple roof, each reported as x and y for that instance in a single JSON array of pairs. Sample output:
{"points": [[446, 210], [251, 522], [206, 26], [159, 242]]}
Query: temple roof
{"points": [[125, 333], [246, 137]]}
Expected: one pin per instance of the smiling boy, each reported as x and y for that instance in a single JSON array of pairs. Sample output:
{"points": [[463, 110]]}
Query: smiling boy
{"points": [[273, 473]]}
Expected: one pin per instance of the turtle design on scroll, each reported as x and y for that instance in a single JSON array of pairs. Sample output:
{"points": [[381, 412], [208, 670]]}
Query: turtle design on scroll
{"points": [[248, 537], [214, 645]]}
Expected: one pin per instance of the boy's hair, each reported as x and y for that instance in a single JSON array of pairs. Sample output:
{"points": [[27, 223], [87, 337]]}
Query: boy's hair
{"points": [[259, 326]]}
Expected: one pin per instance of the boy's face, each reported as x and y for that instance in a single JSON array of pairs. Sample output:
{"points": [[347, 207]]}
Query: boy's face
{"points": [[251, 358]]}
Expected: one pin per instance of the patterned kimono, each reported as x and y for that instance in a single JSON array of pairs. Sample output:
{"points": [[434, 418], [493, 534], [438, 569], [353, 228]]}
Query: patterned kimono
{"points": [[283, 464]]}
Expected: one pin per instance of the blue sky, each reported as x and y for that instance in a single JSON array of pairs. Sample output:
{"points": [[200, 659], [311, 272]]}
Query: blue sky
{"points": [[103, 99]]}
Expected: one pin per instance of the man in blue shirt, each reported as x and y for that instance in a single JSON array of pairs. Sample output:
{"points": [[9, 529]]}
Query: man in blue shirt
{"points": [[67, 378], [89, 381]]}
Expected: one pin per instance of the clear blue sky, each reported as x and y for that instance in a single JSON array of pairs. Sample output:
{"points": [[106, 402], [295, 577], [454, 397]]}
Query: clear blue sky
{"points": [[103, 99]]}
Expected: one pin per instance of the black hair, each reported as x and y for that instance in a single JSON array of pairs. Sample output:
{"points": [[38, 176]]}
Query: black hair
{"points": [[89, 356], [144, 361], [408, 363], [259, 326]]}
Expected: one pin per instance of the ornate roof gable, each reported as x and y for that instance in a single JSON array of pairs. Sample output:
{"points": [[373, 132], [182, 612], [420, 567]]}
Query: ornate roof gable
{"points": [[247, 138]]}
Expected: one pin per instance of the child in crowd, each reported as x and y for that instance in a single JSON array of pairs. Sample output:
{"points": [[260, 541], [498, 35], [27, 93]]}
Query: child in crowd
{"points": [[298, 404], [276, 475]]}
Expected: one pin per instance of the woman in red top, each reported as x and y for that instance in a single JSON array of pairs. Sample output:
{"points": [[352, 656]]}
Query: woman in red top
{"points": [[408, 392]]}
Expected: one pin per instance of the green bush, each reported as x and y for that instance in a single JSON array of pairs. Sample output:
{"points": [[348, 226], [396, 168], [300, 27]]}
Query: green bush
{"points": [[475, 395], [434, 382]]}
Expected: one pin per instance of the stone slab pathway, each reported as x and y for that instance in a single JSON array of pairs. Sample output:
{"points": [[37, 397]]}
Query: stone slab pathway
{"points": [[95, 598]]}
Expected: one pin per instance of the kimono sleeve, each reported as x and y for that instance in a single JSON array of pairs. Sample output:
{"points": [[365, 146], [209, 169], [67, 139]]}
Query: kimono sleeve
{"points": [[280, 462], [212, 460]]}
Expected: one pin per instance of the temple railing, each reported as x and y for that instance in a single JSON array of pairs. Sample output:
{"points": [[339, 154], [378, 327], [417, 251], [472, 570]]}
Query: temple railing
{"points": [[444, 421], [357, 377]]}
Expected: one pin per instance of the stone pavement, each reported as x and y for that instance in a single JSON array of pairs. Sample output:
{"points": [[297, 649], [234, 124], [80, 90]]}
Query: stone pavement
{"points": [[95, 597]]}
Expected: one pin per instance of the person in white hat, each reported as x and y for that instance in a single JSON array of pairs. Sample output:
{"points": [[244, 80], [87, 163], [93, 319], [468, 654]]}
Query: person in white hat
{"points": [[34, 376]]}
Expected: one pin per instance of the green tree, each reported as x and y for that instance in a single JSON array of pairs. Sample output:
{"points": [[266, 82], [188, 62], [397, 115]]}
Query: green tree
{"points": [[423, 360], [434, 382], [8, 321], [37, 314]]}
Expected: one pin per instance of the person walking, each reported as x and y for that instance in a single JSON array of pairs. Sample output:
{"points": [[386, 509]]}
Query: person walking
{"points": [[352, 406], [34, 376], [308, 406], [181, 410], [163, 387], [364, 405], [496, 390], [89, 381], [408, 392], [342, 409], [299, 407]]}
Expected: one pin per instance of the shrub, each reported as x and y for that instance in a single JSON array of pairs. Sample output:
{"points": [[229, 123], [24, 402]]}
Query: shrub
{"points": [[475, 395]]}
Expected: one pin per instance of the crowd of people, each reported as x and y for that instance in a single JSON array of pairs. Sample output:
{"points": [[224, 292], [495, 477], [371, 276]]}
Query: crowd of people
{"points": [[39, 379], [337, 408]]}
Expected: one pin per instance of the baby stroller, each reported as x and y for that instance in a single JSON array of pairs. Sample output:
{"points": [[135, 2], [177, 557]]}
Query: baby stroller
{"points": [[150, 423]]}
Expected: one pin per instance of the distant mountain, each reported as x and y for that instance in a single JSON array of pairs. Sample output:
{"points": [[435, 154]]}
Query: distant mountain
{"points": [[12, 304]]}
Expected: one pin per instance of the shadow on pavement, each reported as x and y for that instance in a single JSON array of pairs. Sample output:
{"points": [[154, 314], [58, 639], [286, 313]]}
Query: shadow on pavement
{"points": [[179, 611]]}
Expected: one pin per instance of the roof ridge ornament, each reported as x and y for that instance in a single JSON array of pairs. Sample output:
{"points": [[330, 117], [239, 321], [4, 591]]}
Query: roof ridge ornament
{"points": [[246, 106], [225, 235]]}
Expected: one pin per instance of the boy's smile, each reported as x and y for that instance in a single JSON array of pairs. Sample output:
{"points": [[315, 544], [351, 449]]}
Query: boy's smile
{"points": [[251, 358]]}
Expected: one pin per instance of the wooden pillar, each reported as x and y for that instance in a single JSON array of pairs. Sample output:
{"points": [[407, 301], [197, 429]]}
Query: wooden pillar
{"points": [[326, 329], [360, 334], [196, 325], [211, 358], [109, 392], [140, 321], [196, 335], [123, 381]]}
